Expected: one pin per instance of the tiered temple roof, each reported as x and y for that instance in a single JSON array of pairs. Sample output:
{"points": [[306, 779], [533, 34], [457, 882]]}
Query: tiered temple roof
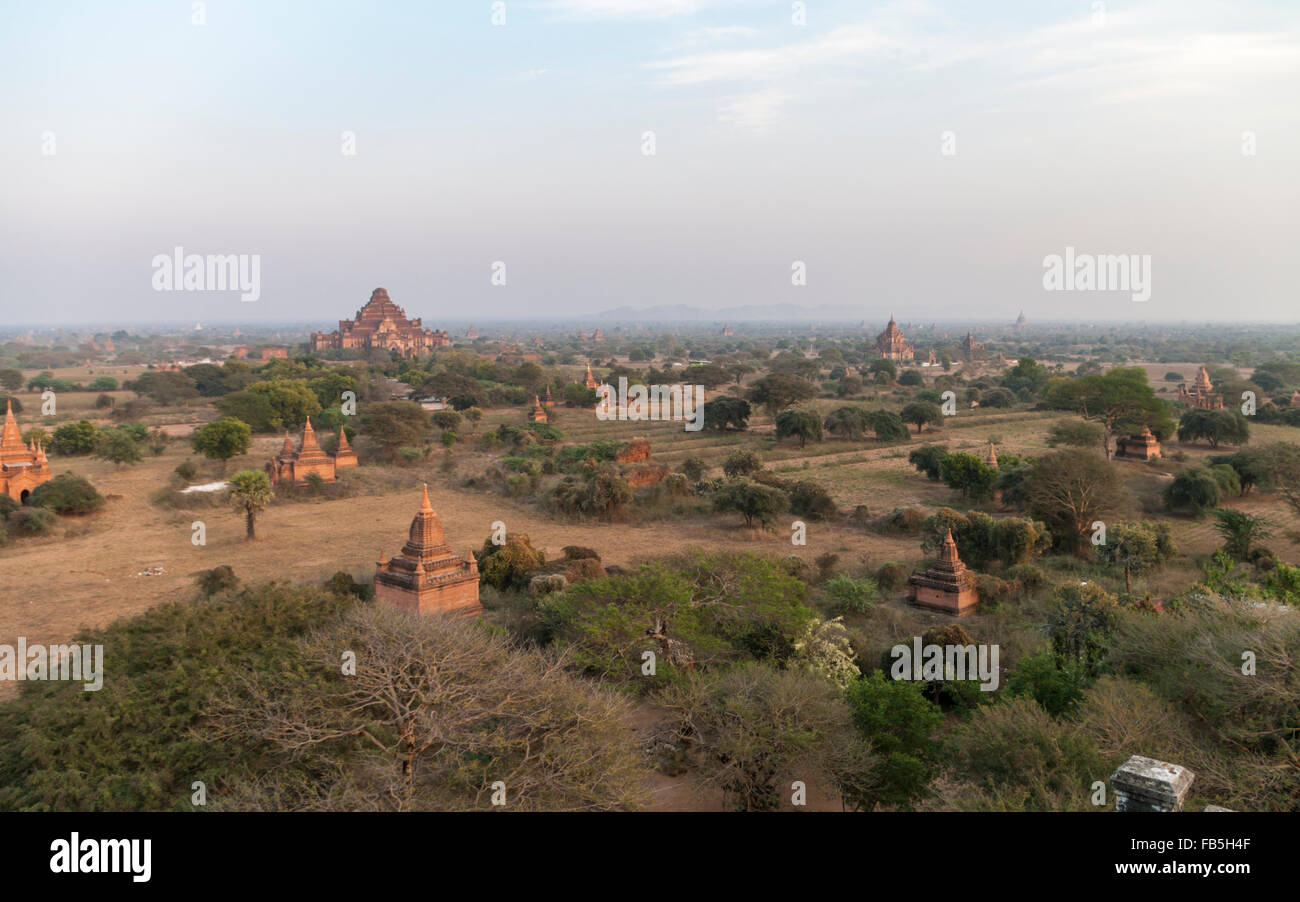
{"points": [[891, 343], [427, 577], [22, 466], [382, 324], [947, 586]]}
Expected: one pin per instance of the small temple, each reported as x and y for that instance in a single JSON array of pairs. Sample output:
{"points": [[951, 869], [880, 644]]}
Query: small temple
{"points": [[22, 467], [1143, 446], [947, 587], [970, 348], [538, 414], [427, 578], [991, 456], [726, 329], [1201, 394], [295, 466], [382, 324], [890, 343], [591, 380]]}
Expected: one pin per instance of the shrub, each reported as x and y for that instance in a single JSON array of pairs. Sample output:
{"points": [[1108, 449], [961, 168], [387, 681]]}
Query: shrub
{"points": [[693, 468], [892, 576], [74, 438], [1193, 492], [218, 579], [342, 583], [808, 499], [509, 566], [850, 596], [32, 521], [187, 470], [741, 463], [67, 493], [7, 507]]}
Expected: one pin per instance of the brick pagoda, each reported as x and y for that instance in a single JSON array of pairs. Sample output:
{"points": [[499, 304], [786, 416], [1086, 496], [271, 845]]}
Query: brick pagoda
{"points": [[295, 466], [891, 343], [1201, 394], [1143, 446], [427, 577], [382, 324], [22, 467], [947, 587]]}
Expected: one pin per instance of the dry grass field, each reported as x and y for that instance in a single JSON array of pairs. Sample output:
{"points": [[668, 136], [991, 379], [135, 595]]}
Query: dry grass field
{"points": [[93, 569]]}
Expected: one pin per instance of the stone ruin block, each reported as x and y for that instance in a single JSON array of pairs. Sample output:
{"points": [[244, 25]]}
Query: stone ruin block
{"points": [[1145, 784]]}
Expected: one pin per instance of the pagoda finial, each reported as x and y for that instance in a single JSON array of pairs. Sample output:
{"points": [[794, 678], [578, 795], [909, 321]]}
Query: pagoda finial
{"points": [[949, 552], [425, 505]]}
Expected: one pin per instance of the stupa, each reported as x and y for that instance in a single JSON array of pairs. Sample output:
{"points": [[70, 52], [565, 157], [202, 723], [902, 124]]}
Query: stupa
{"points": [[427, 578], [22, 467], [947, 587]]}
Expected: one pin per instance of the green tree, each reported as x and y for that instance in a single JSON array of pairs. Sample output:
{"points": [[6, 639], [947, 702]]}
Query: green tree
{"points": [[1136, 547], [250, 493], [118, 446], [847, 422], [1193, 492], [1240, 531], [921, 413], [751, 500], [395, 424], [11, 379], [1076, 434], [1214, 426], [802, 423], [1120, 400], [927, 459], [778, 391], [887, 425], [164, 387], [1081, 620], [900, 723], [222, 439], [725, 413], [967, 474], [742, 463], [74, 438]]}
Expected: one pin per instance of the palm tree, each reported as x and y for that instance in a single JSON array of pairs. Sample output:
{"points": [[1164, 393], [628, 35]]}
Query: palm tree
{"points": [[1240, 531], [250, 492]]}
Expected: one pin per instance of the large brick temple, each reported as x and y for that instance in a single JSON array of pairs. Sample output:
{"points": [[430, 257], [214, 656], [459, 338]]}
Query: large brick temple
{"points": [[891, 343], [381, 324], [427, 577], [22, 467], [1202, 393]]}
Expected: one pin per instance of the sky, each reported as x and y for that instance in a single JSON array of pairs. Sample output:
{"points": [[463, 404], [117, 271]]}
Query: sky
{"points": [[915, 158]]}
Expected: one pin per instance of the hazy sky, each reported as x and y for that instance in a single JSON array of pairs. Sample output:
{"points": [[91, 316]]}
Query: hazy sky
{"points": [[1113, 131]]}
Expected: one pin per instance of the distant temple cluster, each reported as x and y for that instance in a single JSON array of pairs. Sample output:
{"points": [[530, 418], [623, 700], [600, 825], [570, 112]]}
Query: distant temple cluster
{"points": [[381, 324], [22, 467], [890, 343], [290, 466], [1201, 394], [427, 577]]}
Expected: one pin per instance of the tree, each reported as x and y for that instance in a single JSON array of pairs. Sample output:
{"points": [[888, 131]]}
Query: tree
{"points": [[395, 424], [1253, 466], [447, 420], [927, 459], [1076, 434], [118, 446], [291, 401], [802, 423], [1120, 400], [1027, 378], [440, 711], [509, 566], [921, 413], [250, 493], [164, 387], [1214, 426], [848, 387], [883, 370], [1136, 547], [751, 500], [911, 377], [67, 493], [754, 729], [1240, 531], [11, 379], [887, 425], [1193, 492], [967, 474], [1080, 621], [742, 463], [1282, 464], [848, 422], [1069, 490], [900, 723], [102, 383], [725, 413], [222, 439], [778, 391], [74, 438]]}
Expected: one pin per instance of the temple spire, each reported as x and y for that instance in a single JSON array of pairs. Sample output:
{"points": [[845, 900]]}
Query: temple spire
{"points": [[425, 505]]}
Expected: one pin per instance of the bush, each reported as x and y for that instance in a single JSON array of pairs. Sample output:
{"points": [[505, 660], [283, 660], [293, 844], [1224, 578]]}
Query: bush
{"points": [[891, 577], [31, 521], [808, 499], [693, 468], [342, 583], [905, 521], [218, 579], [509, 566], [578, 552], [187, 470], [7, 507], [741, 463], [67, 493], [1193, 492], [74, 438], [850, 596]]}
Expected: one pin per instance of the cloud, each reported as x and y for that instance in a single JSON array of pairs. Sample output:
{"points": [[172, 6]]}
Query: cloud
{"points": [[626, 9], [758, 111]]}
